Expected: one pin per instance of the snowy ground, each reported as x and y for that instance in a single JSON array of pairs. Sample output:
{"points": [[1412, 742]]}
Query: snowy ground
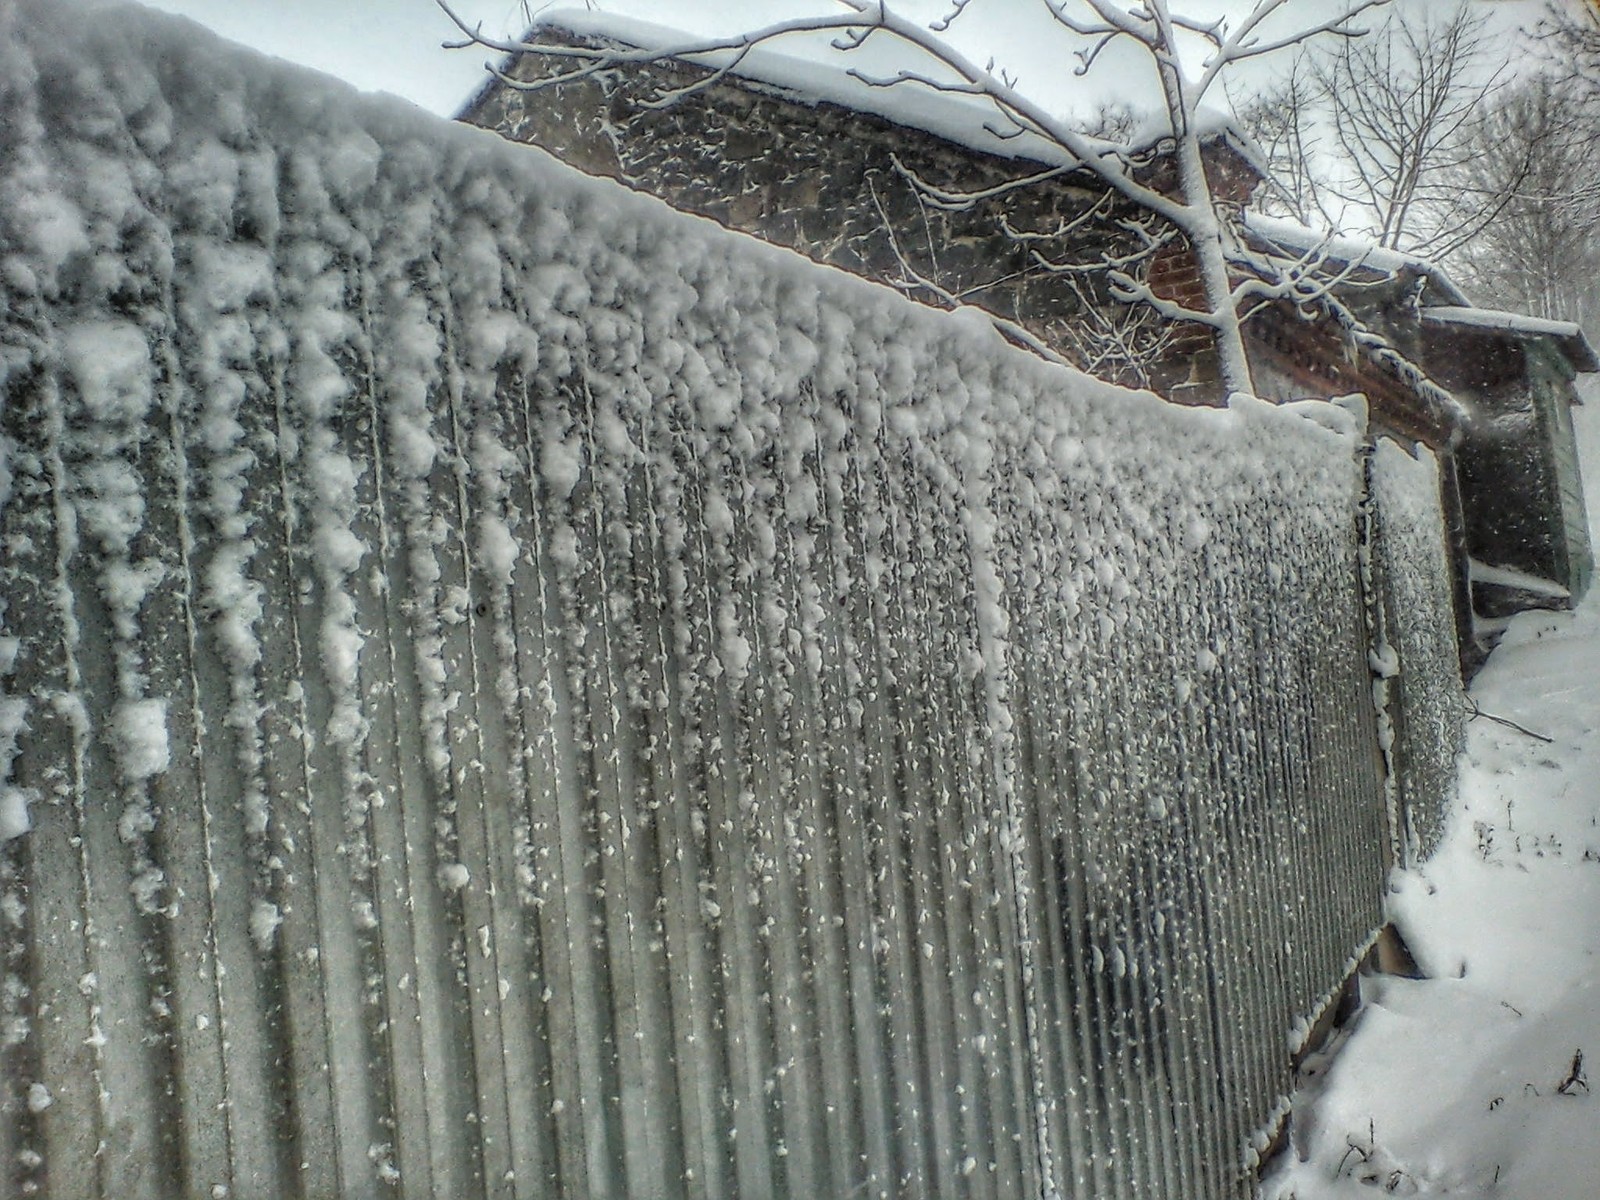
{"points": [[1476, 1081]]}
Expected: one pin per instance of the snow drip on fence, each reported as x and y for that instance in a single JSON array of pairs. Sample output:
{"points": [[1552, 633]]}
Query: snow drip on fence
{"points": [[1416, 661], [511, 691]]}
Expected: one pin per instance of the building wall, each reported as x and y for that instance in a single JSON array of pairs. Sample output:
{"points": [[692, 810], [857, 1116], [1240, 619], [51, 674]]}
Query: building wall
{"points": [[1518, 464], [833, 184], [509, 691], [1552, 384]]}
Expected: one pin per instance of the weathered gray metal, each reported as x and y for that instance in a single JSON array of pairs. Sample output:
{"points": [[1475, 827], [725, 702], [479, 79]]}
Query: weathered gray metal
{"points": [[1416, 658], [530, 695]]}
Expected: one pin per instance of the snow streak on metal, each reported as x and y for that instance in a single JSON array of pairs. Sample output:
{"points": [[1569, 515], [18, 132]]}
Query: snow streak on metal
{"points": [[516, 693]]}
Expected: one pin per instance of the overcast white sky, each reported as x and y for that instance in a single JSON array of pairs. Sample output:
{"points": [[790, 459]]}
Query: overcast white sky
{"points": [[394, 45]]}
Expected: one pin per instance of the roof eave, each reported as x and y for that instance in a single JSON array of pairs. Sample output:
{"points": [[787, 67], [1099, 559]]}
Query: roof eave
{"points": [[1574, 345]]}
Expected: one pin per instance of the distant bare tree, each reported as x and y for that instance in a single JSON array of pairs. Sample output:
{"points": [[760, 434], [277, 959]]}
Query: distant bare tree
{"points": [[1536, 155], [1572, 32], [1282, 120], [1371, 137], [1401, 103]]}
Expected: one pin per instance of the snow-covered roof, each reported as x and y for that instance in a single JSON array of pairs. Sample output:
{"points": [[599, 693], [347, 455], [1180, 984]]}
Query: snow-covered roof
{"points": [[963, 119], [1567, 335], [1353, 251]]}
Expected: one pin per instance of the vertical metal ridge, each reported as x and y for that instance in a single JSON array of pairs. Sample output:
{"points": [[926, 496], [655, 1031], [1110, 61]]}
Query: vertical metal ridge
{"points": [[506, 741], [25, 528], [184, 798], [883, 804], [800, 1148], [624, 814], [59, 1128], [126, 895], [536, 1148], [402, 875], [227, 760], [845, 821], [315, 1131], [471, 873], [547, 710], [1260, 873], [685, 951], [926, 891]]}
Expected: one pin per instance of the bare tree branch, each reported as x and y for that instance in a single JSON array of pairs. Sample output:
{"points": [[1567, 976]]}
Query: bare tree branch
{"points": [[913, 280], [1532, 163], [1398, 108], [1132, 291], [952, 200]]}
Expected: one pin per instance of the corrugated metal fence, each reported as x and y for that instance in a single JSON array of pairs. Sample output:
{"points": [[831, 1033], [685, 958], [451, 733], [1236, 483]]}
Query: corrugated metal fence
{"points": [[521, 694], [1418, 687]]}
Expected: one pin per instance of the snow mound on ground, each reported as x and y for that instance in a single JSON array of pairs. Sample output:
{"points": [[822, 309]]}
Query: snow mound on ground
{"points": [[1477, 1080]]}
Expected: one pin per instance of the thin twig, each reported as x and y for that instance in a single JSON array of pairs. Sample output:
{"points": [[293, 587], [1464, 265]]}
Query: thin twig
{"points": [[1506, 721], [1575, 1077]]}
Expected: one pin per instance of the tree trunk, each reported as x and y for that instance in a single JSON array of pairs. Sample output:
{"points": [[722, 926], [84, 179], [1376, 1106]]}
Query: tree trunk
{"points": [[1204, 230]]}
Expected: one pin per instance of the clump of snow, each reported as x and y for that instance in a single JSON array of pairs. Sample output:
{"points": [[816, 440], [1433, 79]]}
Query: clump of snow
{"points": [[139, 735], [39, 1098], [265, 918], [498, 547], [1384, 661], [1261, 1138], [14, 818], [109, 362]]}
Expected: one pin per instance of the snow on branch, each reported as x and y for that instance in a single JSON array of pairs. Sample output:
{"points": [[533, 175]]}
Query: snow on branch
{"points": [[1243, 44], [1133, 291], [953, 200], [1299, 279], [855, 27]]}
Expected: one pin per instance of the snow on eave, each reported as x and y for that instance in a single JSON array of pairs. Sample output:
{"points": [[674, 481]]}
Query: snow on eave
{"points": [[1381, 351], [1342, 250], [960, 119], [1568, 336], [1152, 138]]}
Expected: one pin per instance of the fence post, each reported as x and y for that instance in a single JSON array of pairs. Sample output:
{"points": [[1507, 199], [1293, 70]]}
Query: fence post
{"points": [[1380, 653]]}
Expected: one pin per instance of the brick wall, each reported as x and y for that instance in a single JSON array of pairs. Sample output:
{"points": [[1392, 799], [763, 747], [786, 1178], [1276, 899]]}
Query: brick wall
{"points": [[832, 183]]}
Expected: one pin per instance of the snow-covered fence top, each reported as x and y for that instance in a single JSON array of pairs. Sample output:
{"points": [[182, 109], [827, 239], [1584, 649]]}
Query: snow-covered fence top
{"points": [[511, 691]]}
